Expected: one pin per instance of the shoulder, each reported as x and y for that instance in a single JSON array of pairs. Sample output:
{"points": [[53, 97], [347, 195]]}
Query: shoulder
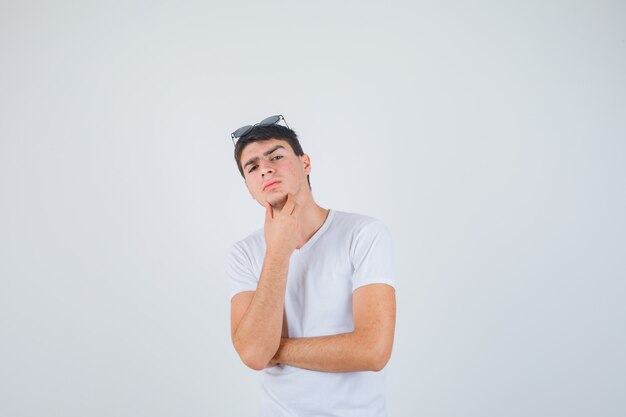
{"points": [[357, 223], [253, 243]]}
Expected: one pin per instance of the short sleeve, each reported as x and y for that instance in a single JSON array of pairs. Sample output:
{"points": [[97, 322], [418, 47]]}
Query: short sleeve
{"points": [[239, 270], [372, 256]]}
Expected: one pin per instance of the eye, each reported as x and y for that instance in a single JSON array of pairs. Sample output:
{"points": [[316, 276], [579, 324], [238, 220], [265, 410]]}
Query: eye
{"points": [[252, 169], [277, 157]]}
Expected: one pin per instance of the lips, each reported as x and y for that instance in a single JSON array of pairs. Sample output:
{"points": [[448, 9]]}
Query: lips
{"points": [[269, 184]]}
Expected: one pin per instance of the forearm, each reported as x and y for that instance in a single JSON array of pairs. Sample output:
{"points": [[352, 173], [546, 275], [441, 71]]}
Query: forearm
{"points": [[345, 352], [258, 333]]}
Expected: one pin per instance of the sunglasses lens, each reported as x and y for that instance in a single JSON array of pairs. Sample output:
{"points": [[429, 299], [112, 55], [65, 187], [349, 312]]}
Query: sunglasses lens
{"points": [[269, 121], [242, 131]]}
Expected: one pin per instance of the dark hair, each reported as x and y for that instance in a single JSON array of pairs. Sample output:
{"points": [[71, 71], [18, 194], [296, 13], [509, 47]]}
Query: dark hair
{"points": [[259, 133]]}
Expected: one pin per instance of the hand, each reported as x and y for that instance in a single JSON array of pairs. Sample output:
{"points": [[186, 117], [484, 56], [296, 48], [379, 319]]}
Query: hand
{"points": [[282, 227]]}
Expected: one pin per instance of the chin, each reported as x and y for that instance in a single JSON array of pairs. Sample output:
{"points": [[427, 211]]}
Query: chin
{"points": [[278, 201]]}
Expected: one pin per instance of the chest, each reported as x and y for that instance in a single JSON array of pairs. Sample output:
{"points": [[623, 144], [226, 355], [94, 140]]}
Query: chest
{"points": [[318, 298]]}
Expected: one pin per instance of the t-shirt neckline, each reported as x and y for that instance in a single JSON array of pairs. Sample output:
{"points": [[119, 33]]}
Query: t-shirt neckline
{"points": [[320, 231]]}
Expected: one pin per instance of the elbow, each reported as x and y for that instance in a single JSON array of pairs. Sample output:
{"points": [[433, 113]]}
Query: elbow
{"points": [[254, 357], [254, 362], [378, 364], [379, 357]]}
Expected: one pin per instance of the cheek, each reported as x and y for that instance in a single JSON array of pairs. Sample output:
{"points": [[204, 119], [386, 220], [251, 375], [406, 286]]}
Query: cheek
{"points": [[254, 183], [292, 168], [249, 184]]}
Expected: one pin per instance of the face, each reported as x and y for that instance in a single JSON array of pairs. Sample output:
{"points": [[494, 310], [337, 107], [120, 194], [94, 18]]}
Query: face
{"points": [[272, 169]]}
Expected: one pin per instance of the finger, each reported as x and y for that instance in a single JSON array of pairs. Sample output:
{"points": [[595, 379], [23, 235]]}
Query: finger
{"points": [[289, 204], [269, 211]]}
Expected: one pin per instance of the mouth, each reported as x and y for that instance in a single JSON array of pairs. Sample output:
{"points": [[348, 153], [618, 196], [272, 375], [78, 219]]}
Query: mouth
{"points": [[271, 184]]}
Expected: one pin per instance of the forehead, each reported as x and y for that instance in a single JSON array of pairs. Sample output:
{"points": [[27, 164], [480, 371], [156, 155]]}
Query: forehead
{"points": [[256, 149]]}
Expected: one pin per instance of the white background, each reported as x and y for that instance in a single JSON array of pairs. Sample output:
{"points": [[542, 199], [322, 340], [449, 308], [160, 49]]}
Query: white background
{"points": [[490, 136]]}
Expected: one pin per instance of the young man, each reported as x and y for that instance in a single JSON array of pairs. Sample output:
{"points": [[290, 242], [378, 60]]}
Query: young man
{"points": [[312, 292]]}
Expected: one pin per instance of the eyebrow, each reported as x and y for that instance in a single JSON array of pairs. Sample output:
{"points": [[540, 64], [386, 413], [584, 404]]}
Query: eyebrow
{"points": [[256, 158]]}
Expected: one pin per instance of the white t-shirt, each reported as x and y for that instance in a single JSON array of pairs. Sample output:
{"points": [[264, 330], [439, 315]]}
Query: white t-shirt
{"points": [[348, 251]]}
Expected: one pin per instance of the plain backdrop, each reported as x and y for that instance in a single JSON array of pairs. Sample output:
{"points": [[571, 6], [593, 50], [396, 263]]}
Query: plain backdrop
{"points": [[490, 136]]}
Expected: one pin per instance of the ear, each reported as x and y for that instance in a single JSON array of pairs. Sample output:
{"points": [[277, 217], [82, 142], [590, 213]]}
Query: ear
{"points": [[306, 161]]}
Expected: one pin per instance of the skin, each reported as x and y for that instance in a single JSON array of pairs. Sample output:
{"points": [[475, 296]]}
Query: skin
{"points": [[291, 218]]}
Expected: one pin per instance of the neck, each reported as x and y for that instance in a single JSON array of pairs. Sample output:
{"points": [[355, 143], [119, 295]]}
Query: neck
{"points": [[311, 219]]}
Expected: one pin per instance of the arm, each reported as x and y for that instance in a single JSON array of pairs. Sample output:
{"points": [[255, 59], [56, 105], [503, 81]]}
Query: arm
{"points": [[367, 348], [257, 316]]}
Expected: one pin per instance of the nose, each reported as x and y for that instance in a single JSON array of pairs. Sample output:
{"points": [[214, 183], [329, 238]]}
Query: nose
{"points": [[265, 169]]}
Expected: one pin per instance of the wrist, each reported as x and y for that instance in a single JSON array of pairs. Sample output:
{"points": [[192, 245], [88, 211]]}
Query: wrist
{"points": [[277, 257]]}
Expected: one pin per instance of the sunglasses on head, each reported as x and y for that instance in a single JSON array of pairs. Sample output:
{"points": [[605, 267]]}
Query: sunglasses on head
{"points": [[268, 121]]}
